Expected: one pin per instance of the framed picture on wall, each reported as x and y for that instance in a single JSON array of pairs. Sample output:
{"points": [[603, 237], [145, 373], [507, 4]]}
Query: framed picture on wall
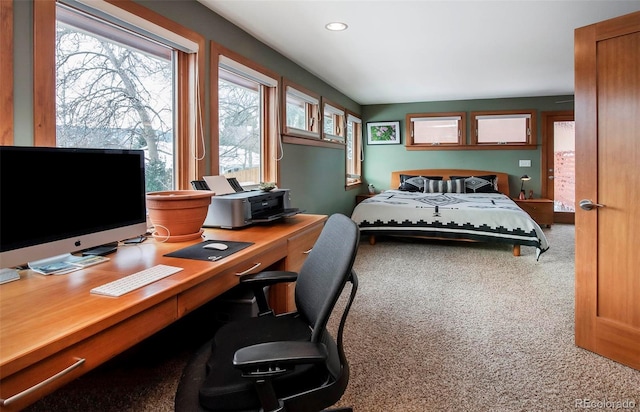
{"points": [[383, 133]]}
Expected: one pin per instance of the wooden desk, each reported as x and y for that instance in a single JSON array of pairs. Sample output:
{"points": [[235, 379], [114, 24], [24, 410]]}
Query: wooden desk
{"points": [[50, 324]]}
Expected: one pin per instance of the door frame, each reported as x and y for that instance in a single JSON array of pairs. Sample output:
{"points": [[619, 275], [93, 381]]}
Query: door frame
{"points": [[547, 161]]}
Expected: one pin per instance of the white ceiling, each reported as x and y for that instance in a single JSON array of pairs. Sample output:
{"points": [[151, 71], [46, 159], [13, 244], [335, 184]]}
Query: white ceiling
{"points": [[427, 50]]}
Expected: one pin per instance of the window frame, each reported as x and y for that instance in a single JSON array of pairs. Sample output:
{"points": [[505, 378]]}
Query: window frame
{"points": [[313, 121], [312, 137], [357, 152], [531, 138], [189, 156], [409, 126], [338, 116], [270, 142], [6, 73]]}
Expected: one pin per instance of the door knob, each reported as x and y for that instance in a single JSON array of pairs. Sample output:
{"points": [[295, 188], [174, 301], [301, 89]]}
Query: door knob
{"points": [[587, 204], [550, 177]]}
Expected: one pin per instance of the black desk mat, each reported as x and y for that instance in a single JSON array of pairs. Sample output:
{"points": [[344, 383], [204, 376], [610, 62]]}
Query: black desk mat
{"points": [[198, 252]]}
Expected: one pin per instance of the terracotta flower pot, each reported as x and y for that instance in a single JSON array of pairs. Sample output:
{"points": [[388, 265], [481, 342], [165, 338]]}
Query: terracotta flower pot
{"points": [[178, 215]]}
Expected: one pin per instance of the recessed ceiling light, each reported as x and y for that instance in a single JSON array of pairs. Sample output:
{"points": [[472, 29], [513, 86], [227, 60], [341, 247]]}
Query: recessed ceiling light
{"points": [[336, 26]]}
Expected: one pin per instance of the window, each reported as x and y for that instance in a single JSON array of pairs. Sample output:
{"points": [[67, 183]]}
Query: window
{"points": [[122, 80], [246, 102], [333, 121], [301, 114], [435, 130], [6, 73], [507, 127], [353, 150]]}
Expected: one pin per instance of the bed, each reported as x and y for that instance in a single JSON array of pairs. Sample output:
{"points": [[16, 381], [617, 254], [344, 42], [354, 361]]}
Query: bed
{"points": [[452, 204]]}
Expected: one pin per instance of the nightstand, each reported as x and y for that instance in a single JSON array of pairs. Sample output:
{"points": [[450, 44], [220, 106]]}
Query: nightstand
{"points": [[362, 196], [540, 210]]}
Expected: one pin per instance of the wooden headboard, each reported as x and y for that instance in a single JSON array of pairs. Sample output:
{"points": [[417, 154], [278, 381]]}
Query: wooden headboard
{"points": [[503, 178]]}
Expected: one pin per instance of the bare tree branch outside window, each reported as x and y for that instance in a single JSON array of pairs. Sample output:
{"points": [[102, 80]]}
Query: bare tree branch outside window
{"points": [[240, 136], [113, 96]]}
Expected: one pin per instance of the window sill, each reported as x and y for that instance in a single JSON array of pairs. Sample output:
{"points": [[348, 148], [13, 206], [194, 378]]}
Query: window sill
{"points": [[311, 142], [475, 147], [352, 186]]}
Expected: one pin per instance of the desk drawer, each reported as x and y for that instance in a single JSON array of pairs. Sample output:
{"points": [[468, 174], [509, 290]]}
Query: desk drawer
{"points": [[299, 246], [202, 293], [282, 296], [85, 355]]}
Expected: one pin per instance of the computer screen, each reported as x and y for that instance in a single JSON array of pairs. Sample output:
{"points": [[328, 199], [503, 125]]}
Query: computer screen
{"points": [[63, 200]]}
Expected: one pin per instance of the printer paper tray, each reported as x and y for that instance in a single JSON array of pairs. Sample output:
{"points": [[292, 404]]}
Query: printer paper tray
{"points": [[271, 218]]}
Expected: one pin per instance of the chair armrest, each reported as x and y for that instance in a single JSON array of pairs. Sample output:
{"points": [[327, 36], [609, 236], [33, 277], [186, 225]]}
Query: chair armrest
{"points": [[258, 281], [269, 277], [277, 358]]}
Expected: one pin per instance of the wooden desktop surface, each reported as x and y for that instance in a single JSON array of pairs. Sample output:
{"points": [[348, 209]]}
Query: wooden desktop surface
{"points": [[51, 323]]}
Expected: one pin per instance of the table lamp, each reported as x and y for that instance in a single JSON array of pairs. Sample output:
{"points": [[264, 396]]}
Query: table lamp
{"points": [[523, 179]]}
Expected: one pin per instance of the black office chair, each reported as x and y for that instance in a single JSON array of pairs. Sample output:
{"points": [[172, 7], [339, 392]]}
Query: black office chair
{"points": [[287, 362]]}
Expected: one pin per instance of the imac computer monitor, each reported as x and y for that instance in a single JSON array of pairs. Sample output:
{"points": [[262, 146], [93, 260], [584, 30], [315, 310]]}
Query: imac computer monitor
{"points": [[63, 200]]}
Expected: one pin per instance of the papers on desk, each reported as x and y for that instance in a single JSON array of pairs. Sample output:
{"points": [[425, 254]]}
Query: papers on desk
{"points": [[219, 185], [59, 265]]}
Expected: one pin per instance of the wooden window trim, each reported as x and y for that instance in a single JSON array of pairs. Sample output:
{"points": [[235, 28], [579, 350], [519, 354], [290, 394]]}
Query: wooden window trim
{"points": [[357, 148], [6, 73], [270, 138], [532, 138], [462, 132], [316, 131], [190, 161], [342, 119], [305, 141], [315, 137]]}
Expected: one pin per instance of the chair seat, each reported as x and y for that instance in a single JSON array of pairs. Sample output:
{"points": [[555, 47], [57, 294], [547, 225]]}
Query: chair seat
{"points": [[221, 386]]}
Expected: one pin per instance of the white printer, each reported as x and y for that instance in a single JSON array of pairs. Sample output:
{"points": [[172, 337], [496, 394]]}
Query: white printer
{"points": [[240, 209]]}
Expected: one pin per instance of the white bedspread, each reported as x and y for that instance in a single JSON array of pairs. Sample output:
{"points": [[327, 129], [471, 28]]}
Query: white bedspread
{"points": [[488, 217]]}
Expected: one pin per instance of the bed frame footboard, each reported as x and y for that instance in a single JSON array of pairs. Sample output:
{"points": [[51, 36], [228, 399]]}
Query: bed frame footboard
{"points": [[516, 248]]}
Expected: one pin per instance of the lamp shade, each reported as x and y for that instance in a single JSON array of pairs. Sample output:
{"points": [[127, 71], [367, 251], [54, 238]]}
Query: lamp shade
{"points": [[525, 177]]}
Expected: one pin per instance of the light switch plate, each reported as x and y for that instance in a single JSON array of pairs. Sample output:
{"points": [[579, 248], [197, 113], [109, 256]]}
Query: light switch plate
{"points": [[525, 163]]}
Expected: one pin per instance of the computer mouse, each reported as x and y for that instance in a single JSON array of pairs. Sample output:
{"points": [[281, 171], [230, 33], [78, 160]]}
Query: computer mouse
{"points": [[216, 246]]}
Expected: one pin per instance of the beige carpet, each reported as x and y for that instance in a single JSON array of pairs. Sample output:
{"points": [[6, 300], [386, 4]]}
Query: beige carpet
{"points": [[434, 328]]}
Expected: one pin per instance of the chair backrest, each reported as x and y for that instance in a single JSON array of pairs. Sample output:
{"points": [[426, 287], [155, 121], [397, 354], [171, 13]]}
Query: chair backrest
{"points": [[326, 271]]}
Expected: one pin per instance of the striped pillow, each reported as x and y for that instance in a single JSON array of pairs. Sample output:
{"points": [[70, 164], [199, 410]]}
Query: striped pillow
{"points": [[454, 186], [433, 186]]}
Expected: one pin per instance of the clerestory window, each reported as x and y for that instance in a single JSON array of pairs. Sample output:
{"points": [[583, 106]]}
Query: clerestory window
{"points": [[504, 128], [435, 130], [333, 121], [301, 112]]}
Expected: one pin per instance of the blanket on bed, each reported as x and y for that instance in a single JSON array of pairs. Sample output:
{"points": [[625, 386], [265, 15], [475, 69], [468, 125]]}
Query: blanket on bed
{"points": [[487, 217]]}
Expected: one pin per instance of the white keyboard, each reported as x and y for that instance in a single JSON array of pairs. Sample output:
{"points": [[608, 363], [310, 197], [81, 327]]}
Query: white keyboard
{"points": [[135, 280]]}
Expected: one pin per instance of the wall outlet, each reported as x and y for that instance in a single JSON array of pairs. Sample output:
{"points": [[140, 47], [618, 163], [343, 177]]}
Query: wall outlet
{"points": [[524, 163]]}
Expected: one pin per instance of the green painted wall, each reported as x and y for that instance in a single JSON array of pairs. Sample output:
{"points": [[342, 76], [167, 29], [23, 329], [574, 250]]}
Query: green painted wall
{"points": [[380, 160]]}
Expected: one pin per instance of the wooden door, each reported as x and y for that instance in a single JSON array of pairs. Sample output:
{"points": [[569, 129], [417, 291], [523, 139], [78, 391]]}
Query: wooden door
{"points": [[607, 112]]}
